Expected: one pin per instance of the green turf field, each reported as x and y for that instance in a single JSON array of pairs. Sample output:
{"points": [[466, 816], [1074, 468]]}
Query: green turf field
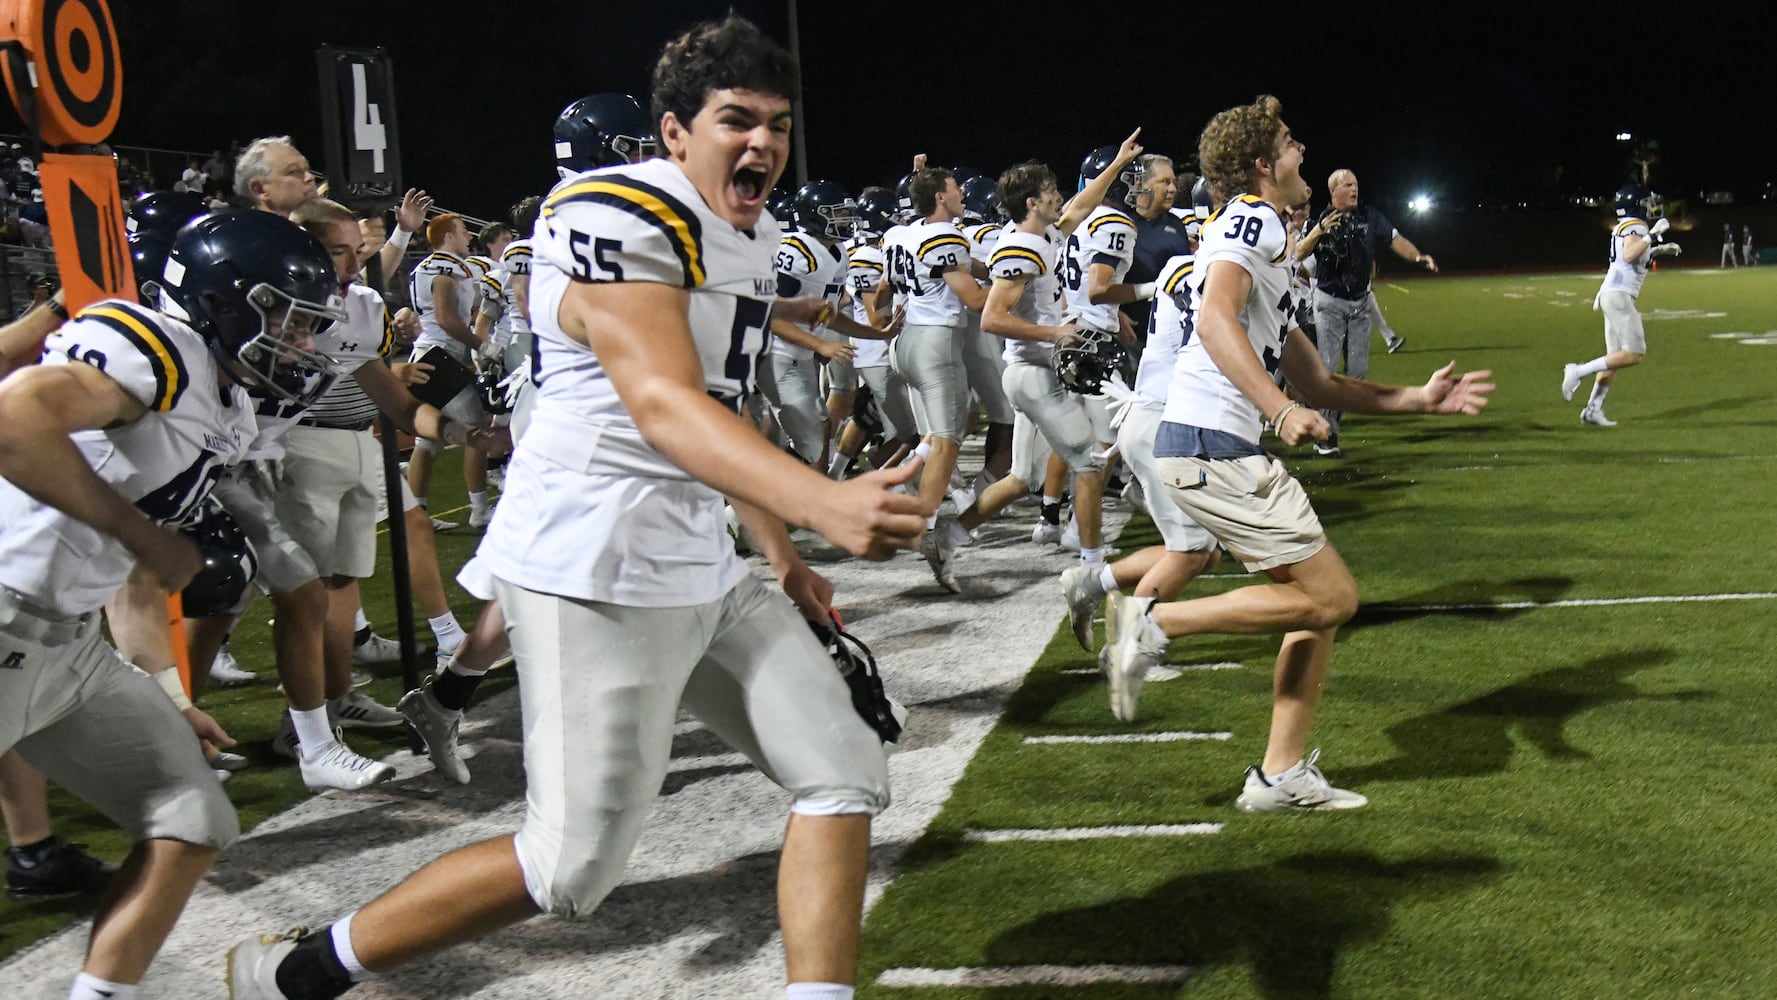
{"points": [[1565, 801]]}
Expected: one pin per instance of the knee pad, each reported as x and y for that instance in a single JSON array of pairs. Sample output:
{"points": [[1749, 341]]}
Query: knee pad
{"points": [[428, 446]]}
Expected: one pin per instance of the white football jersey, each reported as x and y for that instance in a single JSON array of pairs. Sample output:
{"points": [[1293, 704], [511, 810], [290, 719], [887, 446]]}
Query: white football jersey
{"points": [[1106, 237], [1627, 275], [1032, 258], [1168, 323], [982, 237], [165, 462], [1250, 233], [419, 292], [365, 336], [806, 267], [917, 257], [863, 275], [368, 334], [591, 510], [515, 260]]}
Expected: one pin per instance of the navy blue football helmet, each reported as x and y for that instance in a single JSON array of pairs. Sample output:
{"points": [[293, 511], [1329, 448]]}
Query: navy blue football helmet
{"points": [[1201, 199], [904, 199], [163, 212], [964, 175], [1086, 364], [1128, 182], [981, 199], [602, 130], [230, 563], [248, 282], [1634, 201], [826, 210], [148, 256], [782, 206], [876, 211]]}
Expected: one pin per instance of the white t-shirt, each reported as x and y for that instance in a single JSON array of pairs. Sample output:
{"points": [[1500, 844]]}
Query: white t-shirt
{"points": [[591, 510], [165, 462], [1250, 233]]}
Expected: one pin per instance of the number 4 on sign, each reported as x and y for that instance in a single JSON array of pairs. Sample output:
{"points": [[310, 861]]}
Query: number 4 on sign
{"points": [[368, 133]]}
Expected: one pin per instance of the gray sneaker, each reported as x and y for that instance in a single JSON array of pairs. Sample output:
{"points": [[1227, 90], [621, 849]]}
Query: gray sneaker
{"points": [[252, 971], [356, 710], [1082, 596], [376, 649], [1134, 647], [939, 548], [1302, 787], [437, 726], [1594, 416]]}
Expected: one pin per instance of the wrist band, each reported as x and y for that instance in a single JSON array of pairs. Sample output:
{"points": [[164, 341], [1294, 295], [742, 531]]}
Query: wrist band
{"points": [[399, 240], [169, 682], [1277, 421]]}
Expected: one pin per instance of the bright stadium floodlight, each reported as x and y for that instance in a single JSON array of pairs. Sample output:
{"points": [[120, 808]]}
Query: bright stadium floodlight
{"points": [[1420, 204], [1624, 137]]}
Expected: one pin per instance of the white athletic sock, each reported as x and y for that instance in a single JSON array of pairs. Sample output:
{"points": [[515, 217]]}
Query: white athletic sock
{"points": [[836, 467], [1596, 400], [93, 988], [818, 991], [1107, 580], [447, 632], [457, 667], [359, 623], [478, 502], [1093, 556], [423, 504], [1288, 772], [312, 731], [931, 521], [923, 451], [1593, 367], [342, 949]]}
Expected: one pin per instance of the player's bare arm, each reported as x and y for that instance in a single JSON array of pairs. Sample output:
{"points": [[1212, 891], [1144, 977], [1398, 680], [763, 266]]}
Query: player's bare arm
{"points": [[997, 317]]}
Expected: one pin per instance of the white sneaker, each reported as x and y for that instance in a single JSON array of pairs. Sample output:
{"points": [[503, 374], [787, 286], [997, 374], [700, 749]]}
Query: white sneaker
{"points": [[1082, 593], [440, 524], [360, 678], [252, 971], [939, 548], [1070, 533], [339, 766], [1395, 344], [1301, 787], [356, 710], [963, 497], [496, 479], [376, 649], [480, 518], [1045, 533], [437, 726], [225, 670], [1570, 380], [1131, 641], [225, 761], [1595, 417]]}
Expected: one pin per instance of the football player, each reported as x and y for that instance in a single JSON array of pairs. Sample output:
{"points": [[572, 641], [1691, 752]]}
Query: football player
{"points": [[1224, 389], [1025, 306], [610, 547], [982, 221], [106, 445], [1633, 246], [888, 398], [443, 292], [928, 266]]}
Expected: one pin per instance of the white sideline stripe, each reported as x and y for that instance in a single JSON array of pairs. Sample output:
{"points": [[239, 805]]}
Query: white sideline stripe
{"points": [[1597, 602], [1091, 833], [1035, 975], [1126, 738], [1095, 672], [679, 764]]}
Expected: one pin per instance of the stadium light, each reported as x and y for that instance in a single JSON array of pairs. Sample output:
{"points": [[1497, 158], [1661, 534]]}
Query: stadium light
{"points": [[1624, 137], [1420, 204]]}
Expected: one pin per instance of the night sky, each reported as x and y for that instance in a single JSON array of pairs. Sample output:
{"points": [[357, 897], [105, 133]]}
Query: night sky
{"points": [[1467, 102]]}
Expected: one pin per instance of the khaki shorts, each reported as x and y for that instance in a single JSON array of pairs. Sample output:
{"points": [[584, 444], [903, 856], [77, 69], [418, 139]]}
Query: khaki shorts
{"points": [[1622, 323], [328, 503], [1251, 505]]}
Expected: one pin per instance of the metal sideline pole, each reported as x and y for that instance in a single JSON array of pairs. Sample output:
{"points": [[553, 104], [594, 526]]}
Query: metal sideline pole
{"points": [[799, 134]]}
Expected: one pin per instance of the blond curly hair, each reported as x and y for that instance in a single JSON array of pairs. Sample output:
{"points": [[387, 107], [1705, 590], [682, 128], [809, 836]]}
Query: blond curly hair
{"points": [[1234, 140]]}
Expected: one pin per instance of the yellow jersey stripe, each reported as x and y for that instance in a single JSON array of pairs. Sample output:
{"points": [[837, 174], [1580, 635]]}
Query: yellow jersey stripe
{"points": [[1104, 220], [1178, 278], [163, 359], [651, 205], [948, 239], [1025, 253], [802, 248], [388, 342], [1626, 223]]}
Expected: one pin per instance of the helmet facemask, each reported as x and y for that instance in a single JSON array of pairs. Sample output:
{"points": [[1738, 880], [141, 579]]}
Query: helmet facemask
{"points": [[273, 361], [840, 221]]}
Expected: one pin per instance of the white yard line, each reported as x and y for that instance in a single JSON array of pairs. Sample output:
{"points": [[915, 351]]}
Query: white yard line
{"points": [[1091, 833], [1035, 975], [1589, 602], [1174, 737]]}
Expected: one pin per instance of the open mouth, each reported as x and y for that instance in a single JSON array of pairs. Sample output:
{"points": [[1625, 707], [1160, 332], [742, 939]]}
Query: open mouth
{"points": [[750, 184]]}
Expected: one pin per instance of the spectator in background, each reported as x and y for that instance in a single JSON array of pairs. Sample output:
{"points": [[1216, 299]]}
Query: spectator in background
{"points": [[217, 192], [1747, 257], [1727, 245], [215, 169], [23, 183], [34, 221], [192, 179], [129, 179]]}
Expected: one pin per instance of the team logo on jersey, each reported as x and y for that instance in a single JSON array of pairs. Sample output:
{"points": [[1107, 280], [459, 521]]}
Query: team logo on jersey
{"points": [[765, 287]]}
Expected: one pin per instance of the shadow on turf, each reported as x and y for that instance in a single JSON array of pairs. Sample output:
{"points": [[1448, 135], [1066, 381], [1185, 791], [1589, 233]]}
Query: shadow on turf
{"points": [[1287, 921], [1441, 601], [1474, 738]]}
